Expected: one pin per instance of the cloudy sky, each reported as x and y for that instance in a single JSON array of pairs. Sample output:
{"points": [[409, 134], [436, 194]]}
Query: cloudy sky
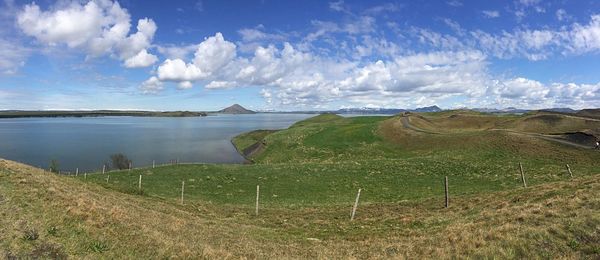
{"points": [[298, 55]]}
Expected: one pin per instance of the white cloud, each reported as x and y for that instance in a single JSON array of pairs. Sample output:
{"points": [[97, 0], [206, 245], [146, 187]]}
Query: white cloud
{"points": [[338, 6], [178, 70], [534, 45], [378, 9], [151, 86], [211, 55], [220, 84], [291, 77], [522, 88], [142, 59], [522, 7], [96, 27], [586, 38], [258, 34], [12, 56], [348, 61], [455, 3], [454, 26], [138, 41], [491, 14], [529, 2], [185, 85], [324, 29], [214, 53], [523, 92], [561, 15], [443, 41]]}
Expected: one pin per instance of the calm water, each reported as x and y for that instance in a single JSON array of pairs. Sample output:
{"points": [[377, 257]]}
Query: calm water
{"points": [[87, 142]]}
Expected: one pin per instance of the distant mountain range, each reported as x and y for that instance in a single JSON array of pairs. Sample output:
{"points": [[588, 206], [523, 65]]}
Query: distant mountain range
{"points": [[391, 111], [369, 110]]}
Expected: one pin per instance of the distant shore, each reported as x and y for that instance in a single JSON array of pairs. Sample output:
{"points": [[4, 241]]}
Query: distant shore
{"points": [[98, 113]]}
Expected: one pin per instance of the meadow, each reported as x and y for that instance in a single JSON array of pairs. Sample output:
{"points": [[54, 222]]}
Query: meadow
{"points": [[326, 159], [309, 175]]}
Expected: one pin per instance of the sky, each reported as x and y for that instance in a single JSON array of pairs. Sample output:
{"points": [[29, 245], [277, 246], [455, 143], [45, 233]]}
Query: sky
{"points": [[298, 55]]}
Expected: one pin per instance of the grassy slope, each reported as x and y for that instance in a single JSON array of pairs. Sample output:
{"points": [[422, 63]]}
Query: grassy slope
{"points": [[245, 140], [309, 175], [534, 122], [77, 219]]}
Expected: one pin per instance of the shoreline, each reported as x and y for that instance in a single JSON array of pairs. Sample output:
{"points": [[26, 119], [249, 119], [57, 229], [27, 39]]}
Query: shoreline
{"points": [[98, 113]]}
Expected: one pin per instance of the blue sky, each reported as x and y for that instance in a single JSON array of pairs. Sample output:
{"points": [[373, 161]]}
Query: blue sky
{"points": [[298, 55]]}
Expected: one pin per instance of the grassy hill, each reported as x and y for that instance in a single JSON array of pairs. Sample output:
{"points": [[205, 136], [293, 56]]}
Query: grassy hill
{"points": [[49, 216], [309, 175]]}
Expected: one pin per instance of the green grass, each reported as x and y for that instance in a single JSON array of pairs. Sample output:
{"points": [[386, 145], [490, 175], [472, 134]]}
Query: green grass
{"points": [[324, 160], [309, 175], [310, 184], [78, 219], [245, 140]]}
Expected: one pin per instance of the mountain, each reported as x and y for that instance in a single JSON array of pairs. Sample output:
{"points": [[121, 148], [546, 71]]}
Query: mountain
{"points": [[508, 110], [561, 110], [236, 109], [371, 110], [427, 109]]}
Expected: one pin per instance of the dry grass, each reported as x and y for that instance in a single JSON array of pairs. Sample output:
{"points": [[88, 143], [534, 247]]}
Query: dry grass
{"points": [[75, 219], [539, 122]]}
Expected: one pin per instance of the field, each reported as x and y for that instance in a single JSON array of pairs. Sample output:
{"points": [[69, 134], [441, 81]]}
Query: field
{"points": [[309, 175]]}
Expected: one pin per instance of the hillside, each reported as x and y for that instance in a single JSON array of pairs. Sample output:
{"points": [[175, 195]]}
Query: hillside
{"points": [[309, 175], [236, 109], [48, 216], [447, 135], [592, 113]]}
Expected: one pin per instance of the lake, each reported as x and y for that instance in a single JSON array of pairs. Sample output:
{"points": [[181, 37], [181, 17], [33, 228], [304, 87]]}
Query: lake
{"points": [[86, 143]]}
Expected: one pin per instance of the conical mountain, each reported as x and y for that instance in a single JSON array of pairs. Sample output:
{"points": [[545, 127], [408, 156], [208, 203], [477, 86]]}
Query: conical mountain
{"points": [[236, 109]]}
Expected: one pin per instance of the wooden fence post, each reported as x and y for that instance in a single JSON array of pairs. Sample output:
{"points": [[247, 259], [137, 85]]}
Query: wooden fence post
{"points": [[153, 164], [76, 172], [355, 205], [446, 191], [103, 168], [182, 188], [140, 183], [257, 196], [522, 175], [569, 169], [85, 175]]}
